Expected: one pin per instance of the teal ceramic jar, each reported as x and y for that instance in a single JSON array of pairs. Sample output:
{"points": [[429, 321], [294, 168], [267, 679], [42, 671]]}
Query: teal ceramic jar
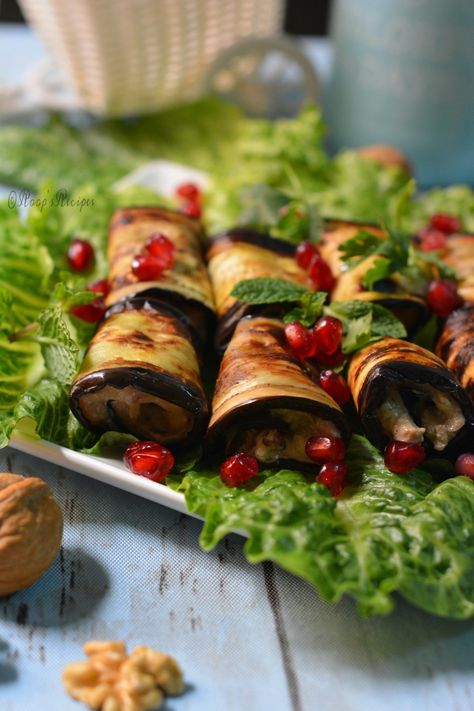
{"points": [[404, 74]]}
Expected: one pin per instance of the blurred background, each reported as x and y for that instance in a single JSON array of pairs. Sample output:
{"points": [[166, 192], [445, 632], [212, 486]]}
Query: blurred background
{"points": [[301, 17], [382, 71]]}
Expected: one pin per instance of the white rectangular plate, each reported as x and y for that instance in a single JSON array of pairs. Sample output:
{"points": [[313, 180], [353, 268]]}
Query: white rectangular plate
{"points": [[104, 469]]}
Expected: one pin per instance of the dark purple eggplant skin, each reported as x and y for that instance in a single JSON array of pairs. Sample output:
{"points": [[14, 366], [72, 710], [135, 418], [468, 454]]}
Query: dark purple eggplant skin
{"points": [[183, 393], [256, 412], [260, 239], [226, 325], [406, 375], [185, 396]]}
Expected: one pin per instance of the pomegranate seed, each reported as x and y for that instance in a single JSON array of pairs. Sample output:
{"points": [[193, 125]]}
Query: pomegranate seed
{"points": [[443, 297], [299, 340], [147, 268], [320, 274], [333, 360], [189, 192], [101, 286], [465, 465], [92, 312], [191, 209], [335, 385], [432, 239], [80, 255], [149, 459], [305, 251], [445, 223], [325, 449], [238, 469], [328, 335], [162, 248], [400, 457], [333, 475]]}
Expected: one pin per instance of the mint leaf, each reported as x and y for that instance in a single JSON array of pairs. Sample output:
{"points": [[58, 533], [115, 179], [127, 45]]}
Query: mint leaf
{"points": [[59, 350], [267, 291], [385, 323], [309, 310]]}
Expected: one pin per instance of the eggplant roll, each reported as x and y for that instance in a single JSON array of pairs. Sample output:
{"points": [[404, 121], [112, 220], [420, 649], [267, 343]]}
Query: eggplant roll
{"points": [[404, 392], [186, 285], [265, 403], [456, 347], [460, 256], [409, 308], [141, 375], [245, 254]]}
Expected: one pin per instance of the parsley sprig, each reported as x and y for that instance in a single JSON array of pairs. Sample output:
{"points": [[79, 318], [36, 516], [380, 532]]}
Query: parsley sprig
{"points": [[395, 255], [288, 215]]}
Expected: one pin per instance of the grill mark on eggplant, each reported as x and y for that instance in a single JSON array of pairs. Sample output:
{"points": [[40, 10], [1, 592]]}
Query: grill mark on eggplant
{"points": [[128, 215], [225, 240], [456, 346], [186, 284]]}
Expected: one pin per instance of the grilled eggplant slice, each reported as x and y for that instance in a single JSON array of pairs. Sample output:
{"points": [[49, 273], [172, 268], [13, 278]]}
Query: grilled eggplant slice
{"points": [[265, 402], [456, 347], [409, 308], [141, 375], [245, 254], [406, 393], [460, 256], [186, 285]]}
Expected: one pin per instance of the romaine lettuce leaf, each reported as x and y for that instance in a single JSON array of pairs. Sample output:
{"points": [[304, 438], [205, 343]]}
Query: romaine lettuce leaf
{"points": [[457, 200], [198, 134], [386, 533]]}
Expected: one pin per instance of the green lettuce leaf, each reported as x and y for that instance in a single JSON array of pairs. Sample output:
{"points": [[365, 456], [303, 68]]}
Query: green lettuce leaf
{"points": [[386, 533]]}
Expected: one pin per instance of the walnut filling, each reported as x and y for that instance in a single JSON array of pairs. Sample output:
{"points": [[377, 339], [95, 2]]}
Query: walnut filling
{"points": [[288, 440], [395, 419], [135, 411], [439, 414]]}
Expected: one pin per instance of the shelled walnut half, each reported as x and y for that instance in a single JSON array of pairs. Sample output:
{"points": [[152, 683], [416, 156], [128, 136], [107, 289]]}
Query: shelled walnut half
{"points": [[111, 680]]}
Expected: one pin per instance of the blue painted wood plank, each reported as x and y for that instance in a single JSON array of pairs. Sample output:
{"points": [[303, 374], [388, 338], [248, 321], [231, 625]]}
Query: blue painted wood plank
{"points": [[132, 570]]}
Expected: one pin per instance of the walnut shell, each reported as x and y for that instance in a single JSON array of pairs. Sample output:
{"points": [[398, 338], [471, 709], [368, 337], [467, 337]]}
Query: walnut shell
{"points": [[31, 529]]}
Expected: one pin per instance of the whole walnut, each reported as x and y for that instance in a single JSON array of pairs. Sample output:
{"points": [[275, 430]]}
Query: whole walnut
{"points": [[31, 529]]}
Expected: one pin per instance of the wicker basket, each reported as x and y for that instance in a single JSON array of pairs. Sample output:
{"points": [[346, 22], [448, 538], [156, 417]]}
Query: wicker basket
{"points": [[133, 56]]}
